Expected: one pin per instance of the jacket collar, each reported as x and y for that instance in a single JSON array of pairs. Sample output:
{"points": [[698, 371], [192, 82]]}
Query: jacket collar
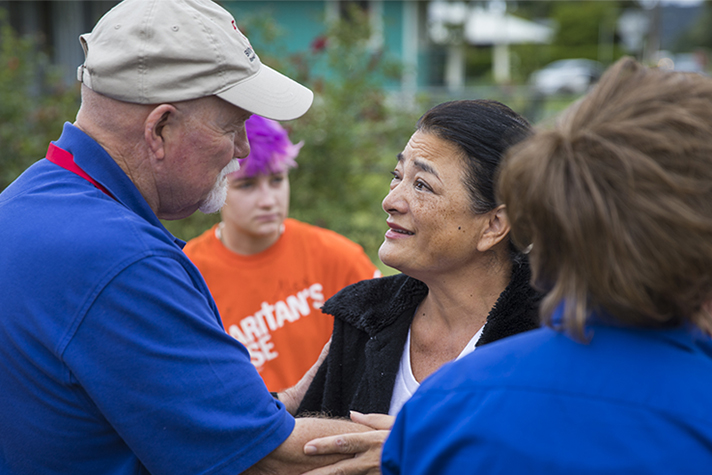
{"points": [[98, 164], [371, 305]]}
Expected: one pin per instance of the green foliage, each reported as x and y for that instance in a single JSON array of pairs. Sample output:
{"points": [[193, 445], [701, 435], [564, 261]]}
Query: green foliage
{"points": [[527, 58], [579, 28], [351, 134], [478, 62], [34, 103], [351, 139], [699, 36]]}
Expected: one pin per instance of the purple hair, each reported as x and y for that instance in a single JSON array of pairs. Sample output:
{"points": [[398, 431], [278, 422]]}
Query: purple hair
{"points": [[271, 151]]}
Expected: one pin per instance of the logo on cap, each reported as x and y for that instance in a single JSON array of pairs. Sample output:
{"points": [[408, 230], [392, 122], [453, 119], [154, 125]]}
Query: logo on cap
{"points": [[234, 26]]}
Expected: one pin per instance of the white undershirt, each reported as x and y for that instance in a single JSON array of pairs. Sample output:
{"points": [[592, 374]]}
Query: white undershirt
{"points": [[406, 384]]}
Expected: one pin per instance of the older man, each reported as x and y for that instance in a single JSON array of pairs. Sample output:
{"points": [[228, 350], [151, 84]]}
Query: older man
{"points": [[113, 359]]}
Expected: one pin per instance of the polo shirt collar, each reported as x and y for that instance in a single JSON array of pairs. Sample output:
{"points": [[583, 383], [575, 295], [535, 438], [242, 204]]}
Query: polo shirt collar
{"points": [[99, 165]]}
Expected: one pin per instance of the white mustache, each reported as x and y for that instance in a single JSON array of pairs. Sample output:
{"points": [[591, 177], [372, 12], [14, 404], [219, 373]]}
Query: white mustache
{"points": [[231, 167]]}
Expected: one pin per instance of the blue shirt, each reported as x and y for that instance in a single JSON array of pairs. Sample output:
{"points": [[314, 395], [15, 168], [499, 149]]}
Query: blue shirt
{"points": [[113, 359], [631, 401]]}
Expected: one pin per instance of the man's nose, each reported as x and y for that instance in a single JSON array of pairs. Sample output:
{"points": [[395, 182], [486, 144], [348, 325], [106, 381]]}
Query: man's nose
{"points": [[242, 145]]}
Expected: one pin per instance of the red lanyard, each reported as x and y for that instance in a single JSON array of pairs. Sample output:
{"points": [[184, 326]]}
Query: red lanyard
{"points": [[65, 160]]}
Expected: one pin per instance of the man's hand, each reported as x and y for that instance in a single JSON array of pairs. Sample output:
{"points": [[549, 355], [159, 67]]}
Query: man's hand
{"points": [[365, 446]]}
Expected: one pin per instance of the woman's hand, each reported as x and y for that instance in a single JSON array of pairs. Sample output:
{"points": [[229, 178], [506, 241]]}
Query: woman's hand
{"points": [[366, 447], [292, 397]]}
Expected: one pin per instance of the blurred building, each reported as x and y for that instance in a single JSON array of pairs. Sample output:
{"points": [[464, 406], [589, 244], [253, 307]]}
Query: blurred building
{"points": [[396, 27], [58, 24], [429, 38], [405, 30]]}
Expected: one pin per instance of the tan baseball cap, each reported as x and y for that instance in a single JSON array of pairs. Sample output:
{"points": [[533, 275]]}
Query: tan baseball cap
{"points": [[156, 51]]}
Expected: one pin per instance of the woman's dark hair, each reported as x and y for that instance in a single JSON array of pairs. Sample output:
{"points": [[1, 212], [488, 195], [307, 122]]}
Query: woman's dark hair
{"points": [[483, 130]]}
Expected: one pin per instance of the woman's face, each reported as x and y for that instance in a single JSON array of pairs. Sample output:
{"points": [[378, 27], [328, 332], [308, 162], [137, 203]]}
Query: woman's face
{"points": [[432, 228], [256, 206]]}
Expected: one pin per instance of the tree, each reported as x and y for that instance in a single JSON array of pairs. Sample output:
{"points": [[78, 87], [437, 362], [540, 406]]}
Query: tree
{"points": [[584, 29], [699, 36], [34, 102], [580, 28]]}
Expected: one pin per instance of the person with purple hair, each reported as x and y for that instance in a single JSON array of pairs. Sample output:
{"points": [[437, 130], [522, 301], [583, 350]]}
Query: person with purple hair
{"points": [[270, 274]]}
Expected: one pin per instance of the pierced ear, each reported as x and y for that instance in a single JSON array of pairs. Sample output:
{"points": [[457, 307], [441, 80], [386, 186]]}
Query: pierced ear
{"points": [[496, 229], [155, 129]]}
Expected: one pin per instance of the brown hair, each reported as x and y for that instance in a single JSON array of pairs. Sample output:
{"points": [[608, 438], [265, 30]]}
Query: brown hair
{"points": [[616, 201]]}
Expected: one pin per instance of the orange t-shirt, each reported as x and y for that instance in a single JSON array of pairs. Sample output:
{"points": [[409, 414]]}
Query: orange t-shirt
{"points": [[270, 301]]}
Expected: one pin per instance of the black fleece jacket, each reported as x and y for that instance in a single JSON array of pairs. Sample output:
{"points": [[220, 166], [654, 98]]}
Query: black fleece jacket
{"points": [[371, 322]]}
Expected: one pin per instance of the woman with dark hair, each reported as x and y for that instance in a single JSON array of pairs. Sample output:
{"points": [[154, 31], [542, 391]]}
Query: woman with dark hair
{"points": [[462, 284], [616, 204]]}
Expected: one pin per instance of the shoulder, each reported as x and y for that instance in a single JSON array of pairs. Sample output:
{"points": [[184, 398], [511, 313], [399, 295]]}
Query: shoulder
{"points": [[101, 228], [610, 366], [529, 389], [82, 230], [77, 243], [512, 356]]}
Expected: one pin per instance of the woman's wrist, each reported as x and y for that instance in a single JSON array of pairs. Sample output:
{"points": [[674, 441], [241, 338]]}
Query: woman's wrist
{"points": [[290, 402]]}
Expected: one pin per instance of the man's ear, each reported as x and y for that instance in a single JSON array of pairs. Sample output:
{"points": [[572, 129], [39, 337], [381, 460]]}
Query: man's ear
{"points": [[496, 229], [155, 128]]}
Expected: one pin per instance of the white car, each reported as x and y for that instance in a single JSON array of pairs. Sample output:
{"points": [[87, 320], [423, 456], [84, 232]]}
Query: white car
{"points": [[566, 76]]}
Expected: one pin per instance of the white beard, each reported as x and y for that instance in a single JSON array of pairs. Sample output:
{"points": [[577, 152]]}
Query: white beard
{"points": [[218, 194]]}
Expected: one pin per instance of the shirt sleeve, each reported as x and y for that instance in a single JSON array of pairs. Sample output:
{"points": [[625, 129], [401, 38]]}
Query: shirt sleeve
{"points": [[151, 355], [391, 457]]}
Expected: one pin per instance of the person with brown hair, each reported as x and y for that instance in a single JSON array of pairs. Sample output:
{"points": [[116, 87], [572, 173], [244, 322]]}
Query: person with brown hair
{"points": [[616, 204]]}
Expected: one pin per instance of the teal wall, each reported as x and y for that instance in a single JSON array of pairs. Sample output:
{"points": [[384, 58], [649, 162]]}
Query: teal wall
{"points": [[301, 21], [393, 27]]}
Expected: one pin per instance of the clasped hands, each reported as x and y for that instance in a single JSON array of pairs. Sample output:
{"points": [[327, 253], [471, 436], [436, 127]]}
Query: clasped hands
{"points": [[365, 446]]}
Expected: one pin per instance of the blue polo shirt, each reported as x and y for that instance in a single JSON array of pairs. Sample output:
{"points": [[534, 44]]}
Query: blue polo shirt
{"points": [[113, 359], [628, 402]]}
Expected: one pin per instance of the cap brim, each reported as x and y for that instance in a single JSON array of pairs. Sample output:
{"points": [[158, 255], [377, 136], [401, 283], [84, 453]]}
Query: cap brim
{"points": [[270, 94]]}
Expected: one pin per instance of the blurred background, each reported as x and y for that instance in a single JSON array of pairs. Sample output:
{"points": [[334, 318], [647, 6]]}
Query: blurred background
{"points": [[375, 66]]}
